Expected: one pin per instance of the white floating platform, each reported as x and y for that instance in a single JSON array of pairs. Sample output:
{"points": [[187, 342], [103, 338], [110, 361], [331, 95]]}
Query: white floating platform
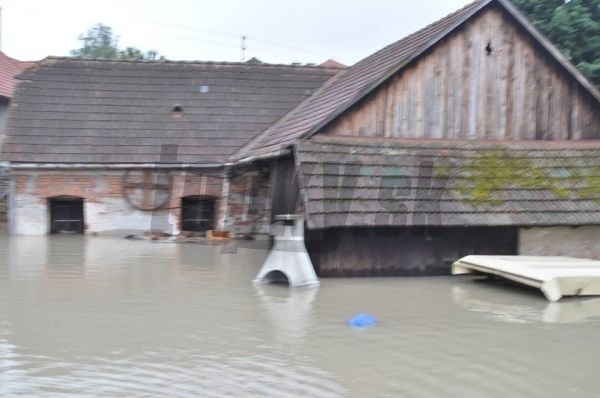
{"points": [[555, 276]]}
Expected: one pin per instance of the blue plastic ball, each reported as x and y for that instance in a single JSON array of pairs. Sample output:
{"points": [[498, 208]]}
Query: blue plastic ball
{"points": [[362, 321]]}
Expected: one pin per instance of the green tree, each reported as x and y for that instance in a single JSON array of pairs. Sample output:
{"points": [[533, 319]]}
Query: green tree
{"points": [[101, 42], [573, 26]]}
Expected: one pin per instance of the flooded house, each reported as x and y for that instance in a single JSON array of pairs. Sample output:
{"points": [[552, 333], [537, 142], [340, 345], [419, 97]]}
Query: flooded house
{"points": [[473, 135], [9, 68], [99, 146]]}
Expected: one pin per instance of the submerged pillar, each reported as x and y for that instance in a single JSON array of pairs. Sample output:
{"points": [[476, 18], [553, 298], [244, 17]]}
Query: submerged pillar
{"points": [[288, 260]]}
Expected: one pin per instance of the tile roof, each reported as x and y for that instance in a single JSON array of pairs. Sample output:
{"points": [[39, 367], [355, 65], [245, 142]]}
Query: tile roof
{"points": [[351, 85], [9, 68], [366, 182], [101, 111]]}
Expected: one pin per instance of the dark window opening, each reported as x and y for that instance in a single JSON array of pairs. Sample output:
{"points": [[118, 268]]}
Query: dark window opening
{"points": [[177, 111], [488, 48], [197, 213], [66, 215]]}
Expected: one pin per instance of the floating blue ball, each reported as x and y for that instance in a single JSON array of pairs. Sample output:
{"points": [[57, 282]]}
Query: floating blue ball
{"points": [[362, 321]]}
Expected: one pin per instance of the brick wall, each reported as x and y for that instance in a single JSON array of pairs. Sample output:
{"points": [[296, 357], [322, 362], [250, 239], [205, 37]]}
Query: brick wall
{"points": [[105, 207], [242, 208], [248, 206]]}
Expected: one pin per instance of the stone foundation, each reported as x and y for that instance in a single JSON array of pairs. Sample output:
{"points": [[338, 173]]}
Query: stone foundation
{"points": [[561, 241]]}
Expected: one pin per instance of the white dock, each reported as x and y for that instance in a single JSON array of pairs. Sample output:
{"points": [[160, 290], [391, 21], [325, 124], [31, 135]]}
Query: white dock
{"points": [[555, 276]]}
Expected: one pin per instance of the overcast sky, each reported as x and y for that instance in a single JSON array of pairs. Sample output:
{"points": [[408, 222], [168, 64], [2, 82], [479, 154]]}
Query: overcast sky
{"points": [[278, 31]]}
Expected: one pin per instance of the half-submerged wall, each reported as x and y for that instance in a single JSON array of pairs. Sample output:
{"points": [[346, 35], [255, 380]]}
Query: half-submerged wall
{"points": [[240, 200], [487, 80], [392, 251], [106, 209]]}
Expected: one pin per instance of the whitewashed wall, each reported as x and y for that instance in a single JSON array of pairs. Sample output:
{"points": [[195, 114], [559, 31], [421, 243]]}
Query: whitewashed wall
{"points": [[30, 216]]}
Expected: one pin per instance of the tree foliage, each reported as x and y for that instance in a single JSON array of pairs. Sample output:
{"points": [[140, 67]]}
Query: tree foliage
{"points": [[573, 26], [101, 42]]}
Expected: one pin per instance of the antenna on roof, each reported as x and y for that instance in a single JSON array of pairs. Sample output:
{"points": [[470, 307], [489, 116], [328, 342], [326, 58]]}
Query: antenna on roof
{"points": [[243, 48]]}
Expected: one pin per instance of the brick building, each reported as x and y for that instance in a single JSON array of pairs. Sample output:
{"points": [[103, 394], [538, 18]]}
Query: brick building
{"points": [[472, 135], [132, 146]]}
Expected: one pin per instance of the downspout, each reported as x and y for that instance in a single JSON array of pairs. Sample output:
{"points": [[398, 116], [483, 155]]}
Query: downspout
{"points": [[223, 203], [11, 203]]}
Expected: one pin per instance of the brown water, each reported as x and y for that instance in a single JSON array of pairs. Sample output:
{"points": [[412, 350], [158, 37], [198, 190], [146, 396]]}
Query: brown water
{"points": [[109, 317]]}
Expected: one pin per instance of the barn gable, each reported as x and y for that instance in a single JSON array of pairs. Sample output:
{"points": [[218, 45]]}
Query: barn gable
{"points": [[489, 80], [343, 95]]}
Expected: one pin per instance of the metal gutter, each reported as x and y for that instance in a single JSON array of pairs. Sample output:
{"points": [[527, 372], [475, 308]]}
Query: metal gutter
{"points": [[115, 166], [270, 155]]}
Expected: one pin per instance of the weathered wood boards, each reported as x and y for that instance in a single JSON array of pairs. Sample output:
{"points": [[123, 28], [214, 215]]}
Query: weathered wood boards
{"points": [[392, 251], [556, 277], [488, 80]]}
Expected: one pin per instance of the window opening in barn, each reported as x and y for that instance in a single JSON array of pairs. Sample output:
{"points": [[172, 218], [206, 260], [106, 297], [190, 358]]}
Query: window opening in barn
{"points": [[197, 213], [177, 111], [66, 215], [488, 48]]}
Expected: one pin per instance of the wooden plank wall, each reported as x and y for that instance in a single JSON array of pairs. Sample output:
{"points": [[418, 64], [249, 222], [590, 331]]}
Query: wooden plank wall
{"points": [[353, 252], [458, 91], [285, 190]]}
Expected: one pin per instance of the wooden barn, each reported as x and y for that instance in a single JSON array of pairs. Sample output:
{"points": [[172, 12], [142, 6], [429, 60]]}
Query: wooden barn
{"points": [[473, 135]]}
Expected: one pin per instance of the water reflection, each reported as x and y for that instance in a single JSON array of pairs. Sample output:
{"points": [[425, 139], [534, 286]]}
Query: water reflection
{"points": [[511, 307], [112, 317], [289, 310]]}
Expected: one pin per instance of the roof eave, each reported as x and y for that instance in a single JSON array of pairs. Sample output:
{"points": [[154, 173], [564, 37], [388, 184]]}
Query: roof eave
{"points": [[111, 166], [266, 156]]}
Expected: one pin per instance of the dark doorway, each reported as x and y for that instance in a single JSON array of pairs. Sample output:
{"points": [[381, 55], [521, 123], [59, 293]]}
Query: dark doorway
{"points": [[66, 215], [197, 213]]}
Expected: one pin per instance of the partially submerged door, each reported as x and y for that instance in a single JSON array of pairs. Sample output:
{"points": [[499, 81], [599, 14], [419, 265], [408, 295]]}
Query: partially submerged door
{"points": [[197, 213], [66, 215]]}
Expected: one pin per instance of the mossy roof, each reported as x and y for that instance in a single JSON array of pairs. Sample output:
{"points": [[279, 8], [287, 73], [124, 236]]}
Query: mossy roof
{"points": [[377, 182]]}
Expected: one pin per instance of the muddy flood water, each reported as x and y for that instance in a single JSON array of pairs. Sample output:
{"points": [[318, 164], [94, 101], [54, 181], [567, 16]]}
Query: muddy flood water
{"points": [[83, 317]]}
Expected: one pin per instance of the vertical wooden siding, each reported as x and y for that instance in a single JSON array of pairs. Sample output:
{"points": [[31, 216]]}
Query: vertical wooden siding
{"points": [[285, 190], [457, 90], [349, 252]]}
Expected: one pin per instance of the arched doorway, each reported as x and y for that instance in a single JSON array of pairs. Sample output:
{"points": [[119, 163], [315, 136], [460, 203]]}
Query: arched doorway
{"points": [[198, 213], [66, 215]]}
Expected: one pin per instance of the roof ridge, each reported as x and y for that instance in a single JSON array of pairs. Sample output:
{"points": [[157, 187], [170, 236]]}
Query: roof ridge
{"points": [[428, 27], [183, 62]]}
